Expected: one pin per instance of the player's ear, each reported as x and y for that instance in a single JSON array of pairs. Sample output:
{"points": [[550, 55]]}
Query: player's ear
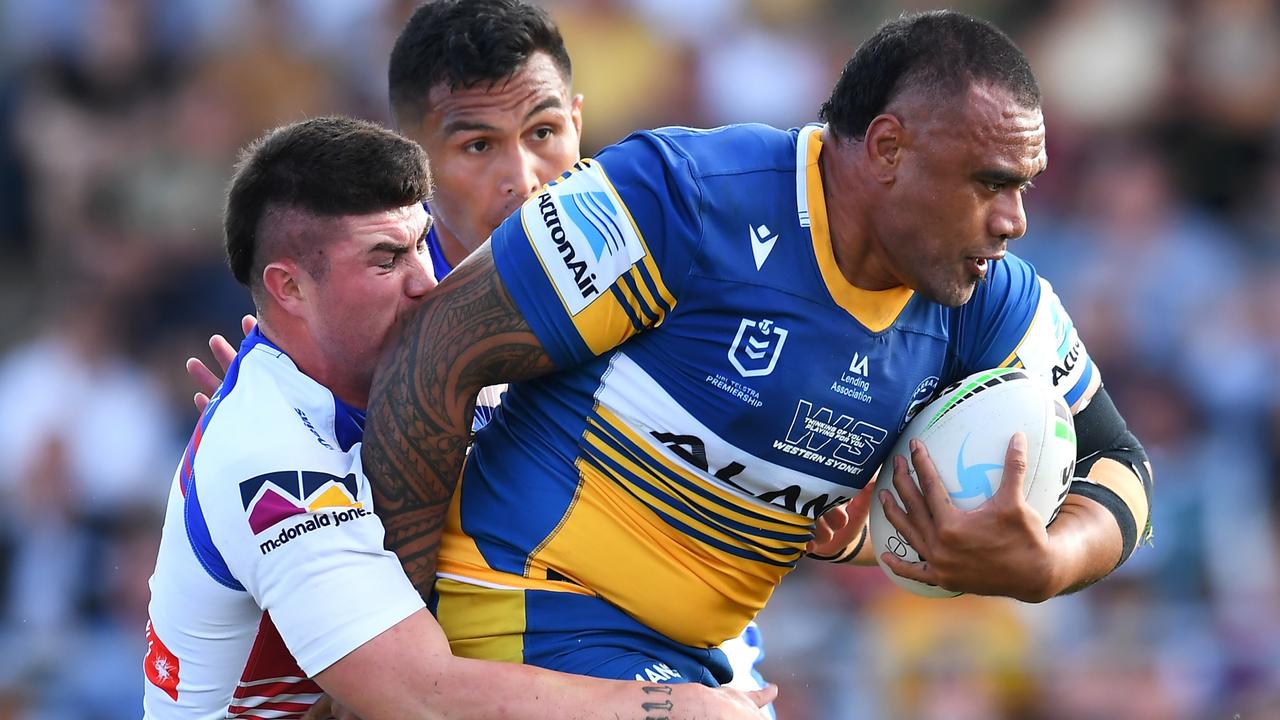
{"points": [[575, 112], [883, 145], [284, 282]]}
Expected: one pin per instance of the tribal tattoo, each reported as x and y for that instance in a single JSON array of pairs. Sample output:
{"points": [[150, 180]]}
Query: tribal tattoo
{"points": [[466, 335]]}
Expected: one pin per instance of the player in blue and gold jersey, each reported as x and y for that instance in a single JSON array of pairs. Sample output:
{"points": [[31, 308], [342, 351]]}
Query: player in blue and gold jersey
{"points": [[716, 336]]}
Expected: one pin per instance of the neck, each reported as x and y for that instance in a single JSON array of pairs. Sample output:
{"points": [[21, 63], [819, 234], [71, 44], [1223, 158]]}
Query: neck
{"points": [[848, 195], [290, 335], [454, 251]]}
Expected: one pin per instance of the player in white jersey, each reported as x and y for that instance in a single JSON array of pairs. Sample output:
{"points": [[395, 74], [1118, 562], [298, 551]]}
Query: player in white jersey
{"points": [[272, 585]]}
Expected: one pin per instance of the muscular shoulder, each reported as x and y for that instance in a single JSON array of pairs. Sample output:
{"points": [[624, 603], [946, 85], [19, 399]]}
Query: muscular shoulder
{"points": [[273, 418]]}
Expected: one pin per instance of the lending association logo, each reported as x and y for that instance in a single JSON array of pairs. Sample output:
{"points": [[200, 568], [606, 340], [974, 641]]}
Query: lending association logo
{"points": [[756, 347], [273, 498]]}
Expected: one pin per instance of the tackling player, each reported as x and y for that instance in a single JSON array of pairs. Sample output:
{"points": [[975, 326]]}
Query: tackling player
{"points": [[715, 337], [272, 583]]}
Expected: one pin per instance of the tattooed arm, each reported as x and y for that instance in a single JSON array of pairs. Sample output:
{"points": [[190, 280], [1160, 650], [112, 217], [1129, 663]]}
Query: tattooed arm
{"points": [[466, 335]]}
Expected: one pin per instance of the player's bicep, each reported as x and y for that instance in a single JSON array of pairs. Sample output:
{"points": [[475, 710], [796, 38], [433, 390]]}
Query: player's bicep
{"points": [[466, 335], [1052, 348]]}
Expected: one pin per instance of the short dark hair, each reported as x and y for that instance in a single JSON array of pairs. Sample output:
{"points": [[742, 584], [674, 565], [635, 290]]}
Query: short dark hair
{"points": [[325, 167], [464, 44], [941, 51]]}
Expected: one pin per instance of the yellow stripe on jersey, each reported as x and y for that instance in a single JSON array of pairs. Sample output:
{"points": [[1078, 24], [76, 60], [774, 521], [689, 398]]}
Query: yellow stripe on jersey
{"points": [[482, 623], [875, 309], [664, 469], [699, 520], [1122, 481], [688, 591]]}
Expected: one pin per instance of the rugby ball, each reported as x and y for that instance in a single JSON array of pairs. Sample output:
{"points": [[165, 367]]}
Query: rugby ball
{"points": [[967, 431]]}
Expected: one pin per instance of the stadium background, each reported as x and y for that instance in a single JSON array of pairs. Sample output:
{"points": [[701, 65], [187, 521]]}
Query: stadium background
{"points": [[1157, 221]]}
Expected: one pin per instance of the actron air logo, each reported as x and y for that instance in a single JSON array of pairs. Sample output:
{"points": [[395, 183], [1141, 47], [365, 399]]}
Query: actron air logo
{"points": [[274, 497], [583, 234]]}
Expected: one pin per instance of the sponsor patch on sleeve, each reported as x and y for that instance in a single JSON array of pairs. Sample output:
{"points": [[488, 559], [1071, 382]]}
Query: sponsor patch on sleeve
{"points": [[1053, 349], [583, 234]]}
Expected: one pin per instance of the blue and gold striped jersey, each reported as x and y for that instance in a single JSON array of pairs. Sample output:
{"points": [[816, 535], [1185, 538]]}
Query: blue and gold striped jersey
{"points": [[720, 383]]}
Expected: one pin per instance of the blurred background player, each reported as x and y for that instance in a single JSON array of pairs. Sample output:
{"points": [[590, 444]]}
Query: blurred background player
{"points": [[678, 422], [272, 583]]}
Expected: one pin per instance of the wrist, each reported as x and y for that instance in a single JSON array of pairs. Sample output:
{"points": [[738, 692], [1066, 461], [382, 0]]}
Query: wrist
{"points": [[848, 552]]}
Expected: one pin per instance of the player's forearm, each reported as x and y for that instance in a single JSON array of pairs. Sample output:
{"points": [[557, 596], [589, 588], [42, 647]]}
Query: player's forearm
{"points": [[1087, 544], [478, 690], [409, 672]]}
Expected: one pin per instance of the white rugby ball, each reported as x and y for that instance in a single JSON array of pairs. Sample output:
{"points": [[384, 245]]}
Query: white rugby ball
{"points": [[966, 431]]}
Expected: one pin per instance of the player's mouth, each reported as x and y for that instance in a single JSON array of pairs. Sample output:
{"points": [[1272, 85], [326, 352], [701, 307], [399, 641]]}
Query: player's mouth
{"points": [[980, 264]]}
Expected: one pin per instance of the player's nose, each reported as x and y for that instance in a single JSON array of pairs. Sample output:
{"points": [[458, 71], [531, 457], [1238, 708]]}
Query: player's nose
{"points": [[1008, 219], [521, 179], [420, 279]]}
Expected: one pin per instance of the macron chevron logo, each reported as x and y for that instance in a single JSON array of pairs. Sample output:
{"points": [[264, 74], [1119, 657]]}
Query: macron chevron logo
{"points": [[761, 243]]}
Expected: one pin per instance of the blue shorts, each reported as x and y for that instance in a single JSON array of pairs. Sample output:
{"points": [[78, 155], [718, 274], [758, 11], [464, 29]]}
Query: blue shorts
{"points": [[572, 633]]}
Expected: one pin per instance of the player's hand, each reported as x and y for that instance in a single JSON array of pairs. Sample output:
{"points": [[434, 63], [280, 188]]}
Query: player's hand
{"points": [[1000, 548], [206, 380], [328, 709], [842, 528], [723, 703]]}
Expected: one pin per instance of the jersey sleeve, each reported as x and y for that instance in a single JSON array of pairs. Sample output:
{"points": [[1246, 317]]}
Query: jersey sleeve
{"points": [[1016, 320], [602, 253], [305, 543]]}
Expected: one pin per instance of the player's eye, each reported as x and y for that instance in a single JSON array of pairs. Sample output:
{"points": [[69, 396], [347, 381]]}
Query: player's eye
{"points": [[476, 146], [543, 133], [992, 186]]}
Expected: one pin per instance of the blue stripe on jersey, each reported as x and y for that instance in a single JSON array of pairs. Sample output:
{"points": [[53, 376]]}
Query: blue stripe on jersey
{"points": [[653, 288], [626, 307], [677, 485], [1087, 375], [197, 527], [348, 425], [650, 318], [613, 470]]}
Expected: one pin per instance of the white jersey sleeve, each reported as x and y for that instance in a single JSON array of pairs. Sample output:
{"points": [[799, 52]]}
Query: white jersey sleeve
{"points": [[305, 543]]}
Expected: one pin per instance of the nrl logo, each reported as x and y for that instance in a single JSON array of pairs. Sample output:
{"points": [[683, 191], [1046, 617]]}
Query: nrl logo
{"points": [[756, 347]]}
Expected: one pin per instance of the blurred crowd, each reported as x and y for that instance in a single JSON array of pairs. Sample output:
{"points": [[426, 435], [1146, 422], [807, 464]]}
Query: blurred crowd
{"points": [[1158, 222]]}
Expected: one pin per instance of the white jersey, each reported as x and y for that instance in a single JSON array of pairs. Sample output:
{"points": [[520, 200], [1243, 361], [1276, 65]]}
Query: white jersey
{"points": [[271, 566]]}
